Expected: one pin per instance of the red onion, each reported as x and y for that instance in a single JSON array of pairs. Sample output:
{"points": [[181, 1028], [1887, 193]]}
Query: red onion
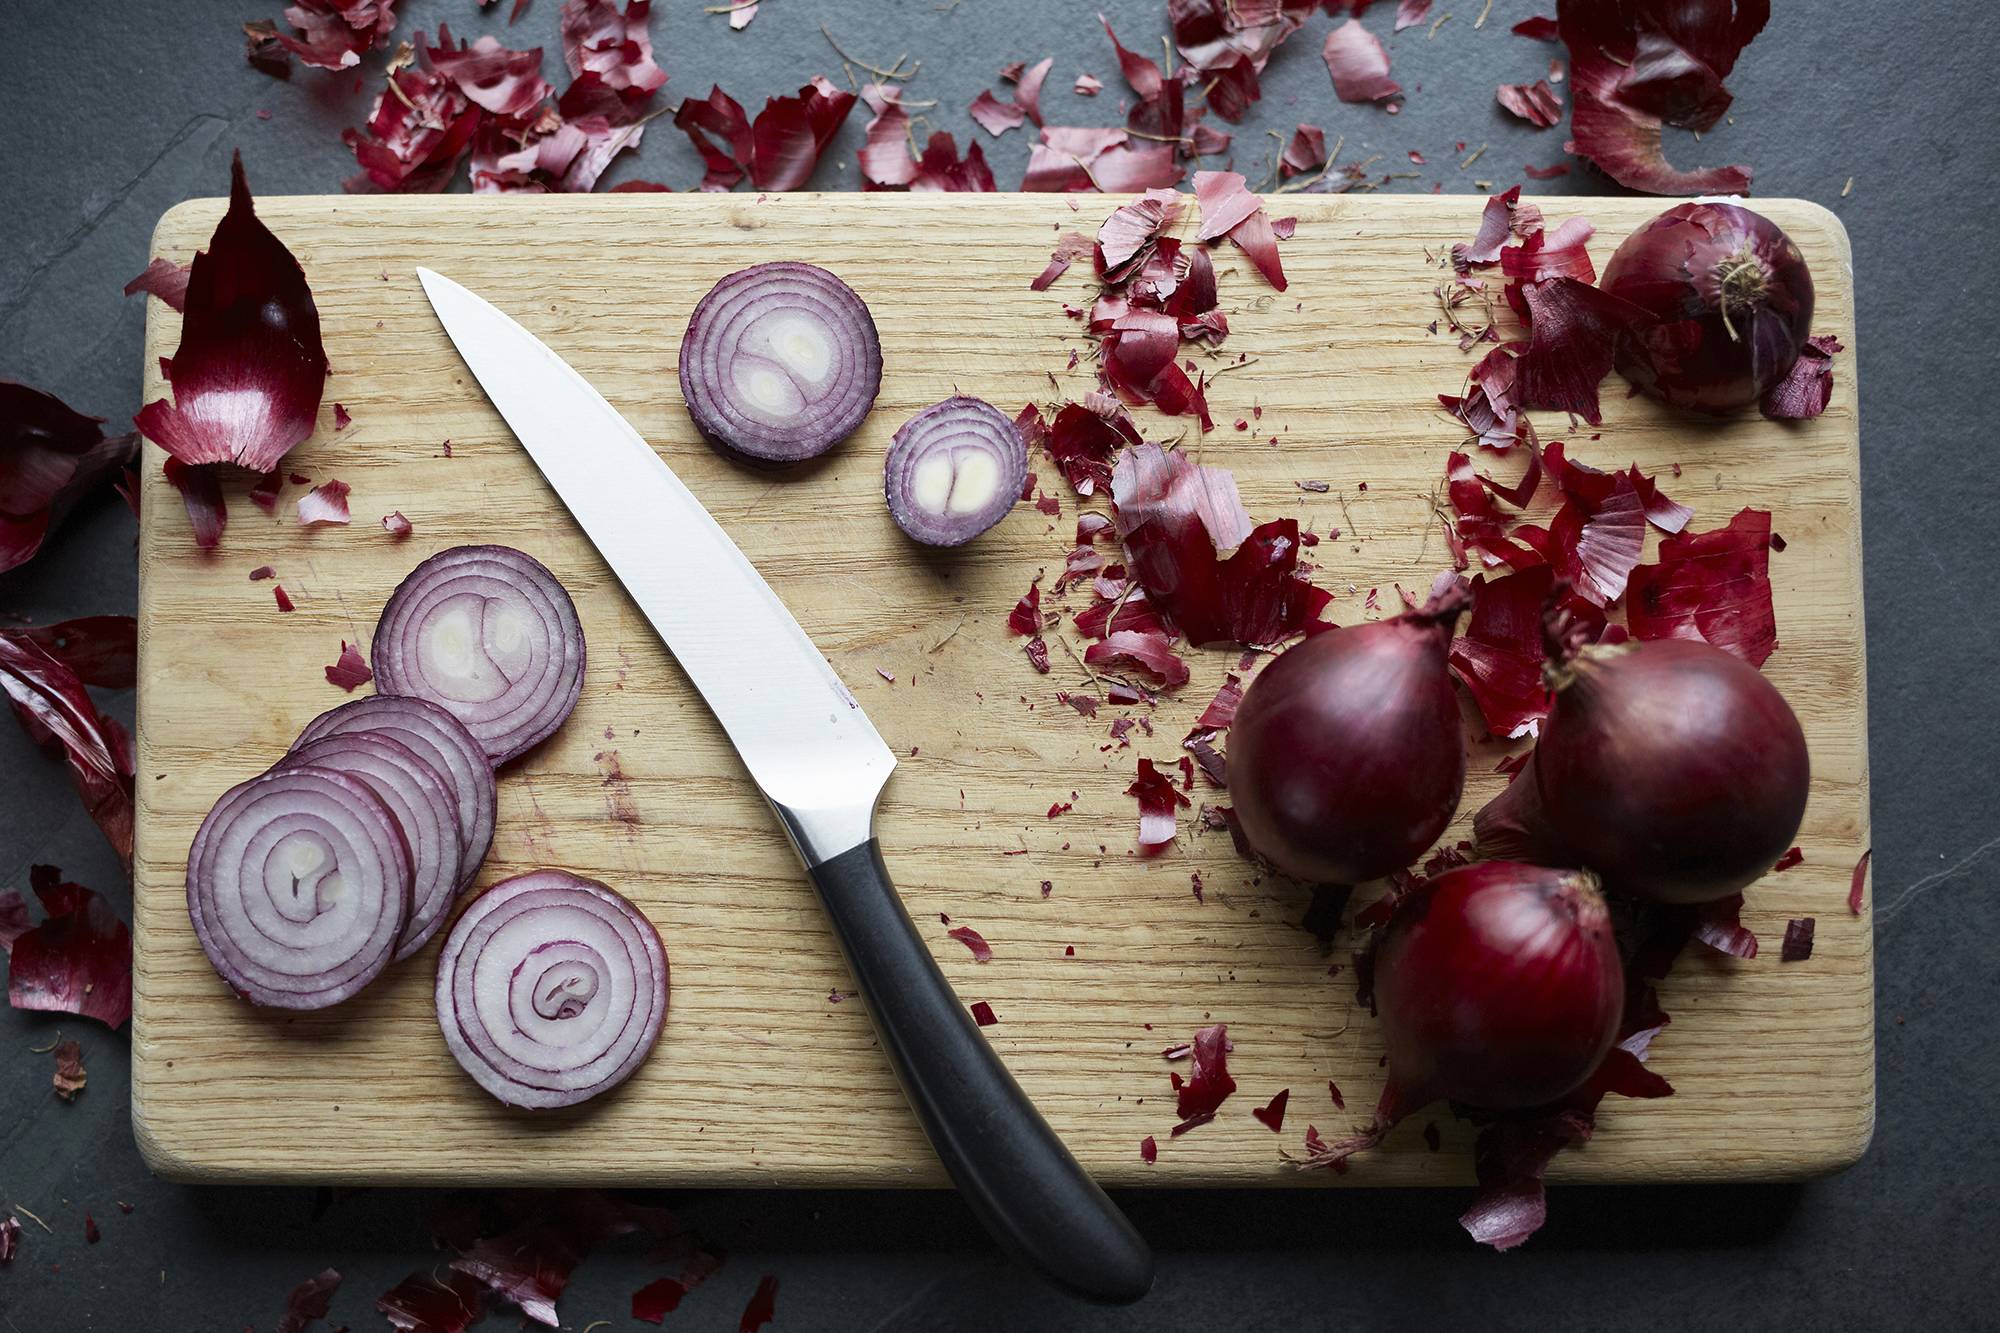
{"points": [[551, 989], [443, 743], [423, 807], [780, 362], [1730, 301], [1498, 986], [298, 885], [1346, 759], [1673, 769], [953, 471], [487, 633]]}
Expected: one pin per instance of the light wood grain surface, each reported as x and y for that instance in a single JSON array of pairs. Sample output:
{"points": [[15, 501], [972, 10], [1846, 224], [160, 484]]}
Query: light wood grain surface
{"points": [[768, 1073]]}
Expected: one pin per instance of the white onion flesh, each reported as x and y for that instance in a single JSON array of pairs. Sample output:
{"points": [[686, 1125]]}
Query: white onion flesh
{"points": [[442, 742], [953, 471]]}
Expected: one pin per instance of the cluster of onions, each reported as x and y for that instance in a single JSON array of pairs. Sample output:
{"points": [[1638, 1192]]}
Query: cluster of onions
{"points": [[1671, 771], [781, 362], [1726, 303]]}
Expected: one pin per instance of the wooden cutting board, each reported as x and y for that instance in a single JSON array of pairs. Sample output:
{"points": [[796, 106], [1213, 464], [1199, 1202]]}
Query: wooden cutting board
{"points": [[768, 1073]]}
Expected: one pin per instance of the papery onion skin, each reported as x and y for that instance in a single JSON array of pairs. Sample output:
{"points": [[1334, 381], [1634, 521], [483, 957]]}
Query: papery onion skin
{"points": [[1346, 756], [560, 959], [1499, 987], [440, 739], [965, 443], [421, 638], [1673, 769], [242, 941], [717, 347], [1730, 302]]}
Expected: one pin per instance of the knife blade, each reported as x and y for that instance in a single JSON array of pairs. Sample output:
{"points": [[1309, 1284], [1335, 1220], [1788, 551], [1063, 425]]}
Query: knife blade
{"points": [[820, 764]]}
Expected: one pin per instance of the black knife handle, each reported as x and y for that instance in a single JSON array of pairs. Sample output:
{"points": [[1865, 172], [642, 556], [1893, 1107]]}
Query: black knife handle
{"points": [[1015, 1173]]}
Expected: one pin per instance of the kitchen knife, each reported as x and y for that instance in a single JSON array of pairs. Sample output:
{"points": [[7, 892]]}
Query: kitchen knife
{"points": [[818, 761]]}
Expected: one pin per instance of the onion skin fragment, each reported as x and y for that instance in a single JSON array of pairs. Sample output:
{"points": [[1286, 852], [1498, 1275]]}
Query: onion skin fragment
{"points": [[1729, 301], [954, 470], [258, 936], [551, 989], [1672, 768], [1346, 756], [779, 363], [1499, 987], [488, 634]]}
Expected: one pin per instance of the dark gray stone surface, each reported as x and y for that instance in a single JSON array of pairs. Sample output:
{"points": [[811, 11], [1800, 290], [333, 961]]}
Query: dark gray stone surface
{"points": [[114, 112]]}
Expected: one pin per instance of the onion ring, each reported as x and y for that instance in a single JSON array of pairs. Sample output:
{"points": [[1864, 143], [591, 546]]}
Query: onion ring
{"points": [[779, 363], [442, 741], [298, 886], [551, 989], [953, 471], [488, 634]]}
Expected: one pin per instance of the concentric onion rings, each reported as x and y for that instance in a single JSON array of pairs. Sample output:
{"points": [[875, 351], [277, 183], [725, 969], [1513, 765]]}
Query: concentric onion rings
{"points": [[953, 471], [443, 742], [488, 634], [779, 363], [299, 886], [551, 989]]}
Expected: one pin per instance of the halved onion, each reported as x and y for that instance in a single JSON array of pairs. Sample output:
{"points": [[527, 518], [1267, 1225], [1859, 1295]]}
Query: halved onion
{"points": [[953, 471], [780, 362], [551, 989], [487, 633], [298, 885], [424, 810], [442, 742]]}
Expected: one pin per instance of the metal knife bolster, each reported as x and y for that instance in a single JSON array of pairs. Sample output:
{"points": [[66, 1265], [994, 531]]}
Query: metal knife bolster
{"points": [[828, 812]]}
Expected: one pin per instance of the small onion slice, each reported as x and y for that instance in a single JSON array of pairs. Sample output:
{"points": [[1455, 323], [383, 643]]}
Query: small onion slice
{"points": [[953, 471], [487, 633], [551, 989], [780, 362], [442, 742], [298, 886], [425, 812]]}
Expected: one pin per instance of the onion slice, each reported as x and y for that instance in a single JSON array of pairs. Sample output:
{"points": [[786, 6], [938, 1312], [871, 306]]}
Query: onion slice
{"points": [[551, 989], [953, 471], [780, 363], [442, 742], [298, 885], [424, 809], [487, 633]]}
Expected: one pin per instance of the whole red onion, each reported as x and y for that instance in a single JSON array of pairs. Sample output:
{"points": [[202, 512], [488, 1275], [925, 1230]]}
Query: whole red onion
{"points": [[1499, 987], [1730, 301], [1673, 769], [1346, 758]]}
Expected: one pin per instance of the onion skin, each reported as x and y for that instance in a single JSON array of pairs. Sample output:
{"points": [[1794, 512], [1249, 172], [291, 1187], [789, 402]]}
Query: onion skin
{"points": [[1499, 987], [1673, 769], [1346, 757], [1730, 302], [551, 989]]}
